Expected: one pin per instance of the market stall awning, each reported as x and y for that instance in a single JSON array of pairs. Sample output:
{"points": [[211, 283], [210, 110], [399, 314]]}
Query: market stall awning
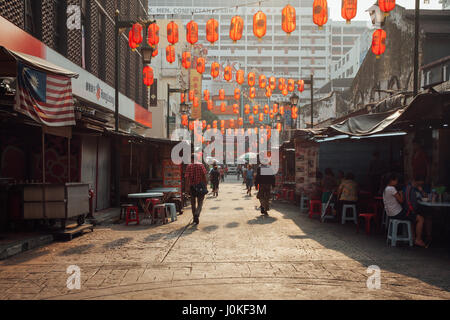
{"points": [[9, 59]]}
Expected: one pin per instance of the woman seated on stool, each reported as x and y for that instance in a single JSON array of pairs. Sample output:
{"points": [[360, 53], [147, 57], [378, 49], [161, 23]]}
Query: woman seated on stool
{"points": [[347, 192], [393, 201]]}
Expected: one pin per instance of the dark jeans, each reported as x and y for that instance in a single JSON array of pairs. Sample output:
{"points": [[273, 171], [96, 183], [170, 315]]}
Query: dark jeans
{"points": [[196, 204]]}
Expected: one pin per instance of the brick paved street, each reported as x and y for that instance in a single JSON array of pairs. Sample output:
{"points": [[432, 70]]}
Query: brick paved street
{"points": [[234, 253]]}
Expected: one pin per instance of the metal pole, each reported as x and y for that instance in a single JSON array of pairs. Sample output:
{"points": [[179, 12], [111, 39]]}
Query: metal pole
{"points": [[312, 99], [117, 69], [416, 48], [168, 108]]}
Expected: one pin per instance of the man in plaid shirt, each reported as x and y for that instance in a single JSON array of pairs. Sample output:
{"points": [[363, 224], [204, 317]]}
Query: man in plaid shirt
{"points": [[195, 174]]}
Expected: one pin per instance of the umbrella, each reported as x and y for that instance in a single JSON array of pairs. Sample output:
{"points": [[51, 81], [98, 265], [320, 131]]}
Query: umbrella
{"points": [[247, 156], [211, 160]]}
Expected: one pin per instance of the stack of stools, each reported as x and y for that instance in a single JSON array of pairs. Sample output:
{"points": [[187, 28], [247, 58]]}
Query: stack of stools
{"points": [[160, 213], [153, 202], [172, 208], [315, 208], [132, 215]]}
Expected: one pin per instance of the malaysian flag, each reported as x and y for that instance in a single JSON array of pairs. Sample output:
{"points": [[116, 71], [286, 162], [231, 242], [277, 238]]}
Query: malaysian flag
{"points": [[46, 98]]}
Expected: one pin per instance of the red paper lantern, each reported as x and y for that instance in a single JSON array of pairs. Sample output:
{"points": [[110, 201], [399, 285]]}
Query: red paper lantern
{"points": [[250, 119], [208, 127], [261, 117], [259, 24], [300, 85], [191, 125], [281, 110], [272, 83], [252, 92], [231, 123], [195, 102], [279, 127], [266, 108], [236, 108], [210, 105], [223, 107], [184, 120], [281, 84], [262, 81], [268, 92], [246, 109], [215, 124], [236, 28], [291, 85], [251, 79], [294, 112], [136, 32], [191, 95], [215, 68], [212, 33], [285, 91], [200, 65], [153, 34], [170, 54], [288, 22], [240, 76], [348, 9], [222, 94], [203, 124], [186, 60], [237, 93], [386, 6], [255, 109], [240, 121], [378, 42], [148, 76], [222, 131], [222, 124], [320, 12], [182, 97], [271, 115], [192, 32], [133, 45], [206, 94], [172, 32], [155, 52], [228, 73], [275, 108]]}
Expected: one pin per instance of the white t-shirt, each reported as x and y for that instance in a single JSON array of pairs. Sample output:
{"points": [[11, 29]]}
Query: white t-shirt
{"points": [[391, 203]]}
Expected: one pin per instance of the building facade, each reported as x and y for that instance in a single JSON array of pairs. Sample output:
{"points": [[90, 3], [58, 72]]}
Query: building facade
{"points": [[305, 51]]}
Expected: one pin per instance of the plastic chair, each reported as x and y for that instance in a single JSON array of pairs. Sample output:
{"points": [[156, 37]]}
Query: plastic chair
{"points": [[393, 232], [172, 208], [353, 217], [132, 214], [153, 202], [315, 208]]}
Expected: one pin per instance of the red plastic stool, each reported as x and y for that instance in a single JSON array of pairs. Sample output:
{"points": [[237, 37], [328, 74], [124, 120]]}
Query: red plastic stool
{"points": [[367, 217], [153, 202], [132, 214], [291, 194], [315, 208]]}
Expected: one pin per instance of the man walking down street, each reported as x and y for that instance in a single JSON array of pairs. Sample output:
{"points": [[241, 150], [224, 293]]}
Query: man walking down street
{"points": [[195, 175], [264, 182]]}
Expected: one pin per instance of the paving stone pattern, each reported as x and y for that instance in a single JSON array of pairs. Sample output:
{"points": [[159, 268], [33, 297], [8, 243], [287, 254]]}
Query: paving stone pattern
{"points": [[234, 253]]}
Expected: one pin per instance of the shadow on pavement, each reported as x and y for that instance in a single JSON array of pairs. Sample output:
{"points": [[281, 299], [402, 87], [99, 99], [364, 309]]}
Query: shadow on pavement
{"points": [[262, 220], [232, 225], [210, 228], [117, 243], [77, 250], [427, 265]]}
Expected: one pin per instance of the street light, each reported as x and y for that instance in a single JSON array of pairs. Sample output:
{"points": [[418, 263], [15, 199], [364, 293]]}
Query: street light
{"points": [[294, 99]]}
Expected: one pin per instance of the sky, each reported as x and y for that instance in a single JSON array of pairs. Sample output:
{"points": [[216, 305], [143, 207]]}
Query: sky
{"points": [[363, 5]]}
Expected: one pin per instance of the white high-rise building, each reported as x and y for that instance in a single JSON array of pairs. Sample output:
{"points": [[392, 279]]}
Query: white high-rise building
{"points": [[306, 51]]}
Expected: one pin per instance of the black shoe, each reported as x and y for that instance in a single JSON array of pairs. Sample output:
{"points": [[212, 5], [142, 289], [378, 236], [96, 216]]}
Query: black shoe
{"points": [[196, 221]]}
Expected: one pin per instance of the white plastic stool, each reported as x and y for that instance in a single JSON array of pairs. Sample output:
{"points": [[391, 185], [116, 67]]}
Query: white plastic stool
{"points": [[173, 210], [354, 215], [393, 232], [304, 203], [384, 220]]}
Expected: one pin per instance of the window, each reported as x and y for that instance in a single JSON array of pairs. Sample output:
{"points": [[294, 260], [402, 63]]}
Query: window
{"points": [[33, 17], [101, 45], [59, 9]]}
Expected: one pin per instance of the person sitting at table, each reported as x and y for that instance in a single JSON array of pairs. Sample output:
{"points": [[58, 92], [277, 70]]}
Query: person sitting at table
{"points": [[347, 192], [393, 201], [413, 192]]}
